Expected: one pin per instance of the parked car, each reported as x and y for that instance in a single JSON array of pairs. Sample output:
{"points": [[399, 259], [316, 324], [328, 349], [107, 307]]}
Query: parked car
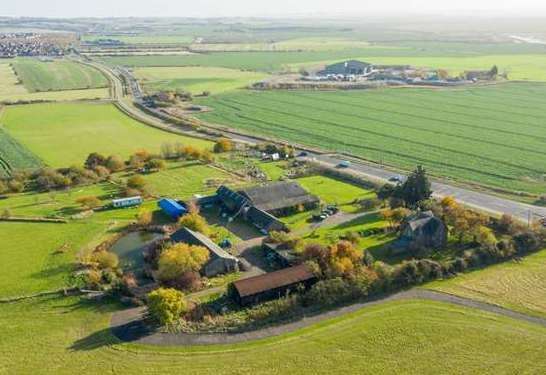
{"points": [[397, 179], [303, 154], [344, 164]]}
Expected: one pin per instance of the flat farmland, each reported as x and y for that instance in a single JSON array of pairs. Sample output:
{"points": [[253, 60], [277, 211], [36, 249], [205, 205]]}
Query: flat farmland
{"points": [[517, 285], [63, 134], [57, 75], [66, 336], [196, 79], [15, 156], [494, 136]]}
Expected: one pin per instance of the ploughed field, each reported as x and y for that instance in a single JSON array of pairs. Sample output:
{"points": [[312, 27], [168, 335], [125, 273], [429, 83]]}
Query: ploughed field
{"points": [[492, 135]]}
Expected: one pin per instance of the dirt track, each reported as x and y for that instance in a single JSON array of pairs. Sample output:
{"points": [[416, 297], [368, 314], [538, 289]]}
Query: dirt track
{"points": [[127, 324]]}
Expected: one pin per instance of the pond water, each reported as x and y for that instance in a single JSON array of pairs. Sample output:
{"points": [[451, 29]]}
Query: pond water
{"points": [[129, 250]]}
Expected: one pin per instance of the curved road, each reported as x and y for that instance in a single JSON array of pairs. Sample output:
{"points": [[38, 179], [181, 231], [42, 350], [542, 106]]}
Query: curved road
{"points": [[489, 203], [127, 325]]}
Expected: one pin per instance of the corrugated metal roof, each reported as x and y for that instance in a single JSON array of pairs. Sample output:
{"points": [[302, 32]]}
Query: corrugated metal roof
{"points": [[195, 238], [278, 195], [273, 280]]}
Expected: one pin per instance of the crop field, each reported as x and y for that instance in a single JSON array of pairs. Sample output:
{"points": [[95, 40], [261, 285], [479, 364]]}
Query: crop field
{"points": [[63, 134], [143, 39], [57, 75], [14, 156], [12, 90], [517, 285], [196, 79], [456, 133], [66, 335]]}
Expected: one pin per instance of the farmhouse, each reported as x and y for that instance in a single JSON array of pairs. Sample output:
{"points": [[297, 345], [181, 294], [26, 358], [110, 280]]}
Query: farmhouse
{"points": [[422, 230], [347, 68], [271, 285], [220, 261]]}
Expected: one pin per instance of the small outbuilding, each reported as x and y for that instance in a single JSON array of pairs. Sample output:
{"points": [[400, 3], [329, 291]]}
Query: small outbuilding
{"points": [[172, 208], [422, 230], [271, 285], [127, 202], [220, 261]]}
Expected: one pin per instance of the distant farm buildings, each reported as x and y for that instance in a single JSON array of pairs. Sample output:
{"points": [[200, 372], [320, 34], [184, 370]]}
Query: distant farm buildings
{"points": [[347, 68], [220, 261]]}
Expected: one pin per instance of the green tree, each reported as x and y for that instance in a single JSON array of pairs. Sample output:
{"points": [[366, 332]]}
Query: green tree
{"points": [[93, 160], [416, 188], [114, 163], [165, 305], [195, 222], [89, 202], [136, 182]]}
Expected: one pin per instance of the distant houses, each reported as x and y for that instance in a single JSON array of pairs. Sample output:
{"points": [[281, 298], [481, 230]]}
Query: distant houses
{"points": [[220, 261]]}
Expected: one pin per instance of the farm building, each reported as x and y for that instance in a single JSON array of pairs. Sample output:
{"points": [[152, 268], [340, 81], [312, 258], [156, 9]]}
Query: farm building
{"points": [[264, 220], [422, 230], [347, 68], [270, 285], [220, 261], [127, 202], [280, 198], [284, 256], [172, 208]]}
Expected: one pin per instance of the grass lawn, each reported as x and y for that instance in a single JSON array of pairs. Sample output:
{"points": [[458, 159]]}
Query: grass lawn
{"points": [[183, 180], [332, 191], [68, 336], [57, 75], [63, 134], [196, 79], [463, 130], [516, 285]]}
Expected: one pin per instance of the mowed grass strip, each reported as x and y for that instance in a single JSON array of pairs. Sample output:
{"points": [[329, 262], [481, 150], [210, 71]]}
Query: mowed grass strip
{"points": [[13, 156], [461, 134], [63, 134], [67, 336], [57, 75], [196, 79], [518, 285]]}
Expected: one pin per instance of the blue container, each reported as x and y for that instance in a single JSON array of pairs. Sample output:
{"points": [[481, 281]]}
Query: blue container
{"points": [[172, 208]]}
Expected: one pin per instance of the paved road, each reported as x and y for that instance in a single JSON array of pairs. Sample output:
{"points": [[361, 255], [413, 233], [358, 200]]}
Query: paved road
{"points": [[486, 202], [127, 325]]}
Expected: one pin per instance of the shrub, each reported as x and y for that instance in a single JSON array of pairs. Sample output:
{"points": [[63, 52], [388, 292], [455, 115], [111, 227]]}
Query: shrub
{"points": [[93, 279], [144, 217], [3, 187], [105, 260], [223, 145], [527, 241], [370, 204], [165, 306], [195, 222], [93, 160], [188, 281], [180, 258], [114, 163], [156, 164], [89, 202], [136, 182]]}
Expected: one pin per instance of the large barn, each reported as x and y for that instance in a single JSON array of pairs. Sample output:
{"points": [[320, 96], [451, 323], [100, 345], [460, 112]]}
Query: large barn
{"points": [[347, 68], [271, 285], [220, 261]]}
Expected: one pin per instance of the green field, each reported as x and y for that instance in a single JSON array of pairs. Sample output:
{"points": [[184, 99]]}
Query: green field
{"points": [[68, 336], [142, 39], [489, 135], [184, 180], [196, 79], [63, 134], [14, 156], [517, 285], [57, 75], [12, 90]]}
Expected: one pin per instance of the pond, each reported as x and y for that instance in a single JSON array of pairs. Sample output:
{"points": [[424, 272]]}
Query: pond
{"points": [[129, 250]]}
